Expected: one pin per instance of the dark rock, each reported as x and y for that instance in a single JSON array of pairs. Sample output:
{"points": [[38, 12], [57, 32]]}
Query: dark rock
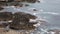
{"points": [[34, 9], [5, 16], [3, 25], [22, 27], [1, 8], [12, 2], [31, 1], [38, 1], [3, 3], [26, 15], [26, 5], [21, 21], [20, 5]]}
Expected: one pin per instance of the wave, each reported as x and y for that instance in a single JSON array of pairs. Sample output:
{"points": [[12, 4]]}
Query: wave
{"points": [[53, 13]]}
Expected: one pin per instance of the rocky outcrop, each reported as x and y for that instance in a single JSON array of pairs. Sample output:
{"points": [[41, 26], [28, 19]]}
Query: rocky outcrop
{"points": [[31, 1], [21, 21], [10, 2], [5, 16], [1, 8]]}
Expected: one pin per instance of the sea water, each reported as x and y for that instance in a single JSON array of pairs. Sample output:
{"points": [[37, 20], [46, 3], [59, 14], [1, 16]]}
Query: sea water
{"points": [[47, 10]]}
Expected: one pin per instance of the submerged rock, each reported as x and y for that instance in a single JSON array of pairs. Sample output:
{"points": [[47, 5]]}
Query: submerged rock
{"points": [[26, 4], [35, 10]]}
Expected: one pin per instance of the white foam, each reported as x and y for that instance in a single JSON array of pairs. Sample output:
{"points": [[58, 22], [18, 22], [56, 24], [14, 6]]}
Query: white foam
{"points": [[52, 32], [44, 30], [36, 25], [10, 21], [31, 9], [32, 20], [34, 13], [53, 13]]}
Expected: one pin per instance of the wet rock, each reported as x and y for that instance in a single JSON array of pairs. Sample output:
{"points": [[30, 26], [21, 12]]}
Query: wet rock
{"points": [[1, 8], [18, 5], [12, 2], [38, 1], [6, 0], [21, 21], [34, 9], [3, 25], [5, 16], [26, 5], [31, 1], [22, 27], [27, 15], [3, 3]]}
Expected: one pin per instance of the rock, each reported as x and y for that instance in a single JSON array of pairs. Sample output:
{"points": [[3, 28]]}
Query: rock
{"points": [[3, 3], [3, 25], [10, 0], [26, 5], [22, 27], [5, 16], [1, 8], [18, 5], [30, 1], [34, 9], [21, 21], [27, 15], [33, 1], [38, 1]]}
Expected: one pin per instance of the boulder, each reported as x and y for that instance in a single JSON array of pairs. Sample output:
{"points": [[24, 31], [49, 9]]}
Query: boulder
{"points": [[1, 8], [5, 16], [21, 21], [30, 1]]}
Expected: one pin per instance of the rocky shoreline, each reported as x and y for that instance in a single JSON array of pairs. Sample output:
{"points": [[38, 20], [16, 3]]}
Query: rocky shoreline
{"points": [[17, 21]]}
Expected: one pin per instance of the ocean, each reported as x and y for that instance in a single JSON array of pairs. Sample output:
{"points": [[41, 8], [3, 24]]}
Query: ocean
{"points": [[49, 10]]}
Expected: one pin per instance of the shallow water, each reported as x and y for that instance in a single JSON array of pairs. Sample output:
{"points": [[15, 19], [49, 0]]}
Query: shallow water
{"points": [[49, 10]]}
